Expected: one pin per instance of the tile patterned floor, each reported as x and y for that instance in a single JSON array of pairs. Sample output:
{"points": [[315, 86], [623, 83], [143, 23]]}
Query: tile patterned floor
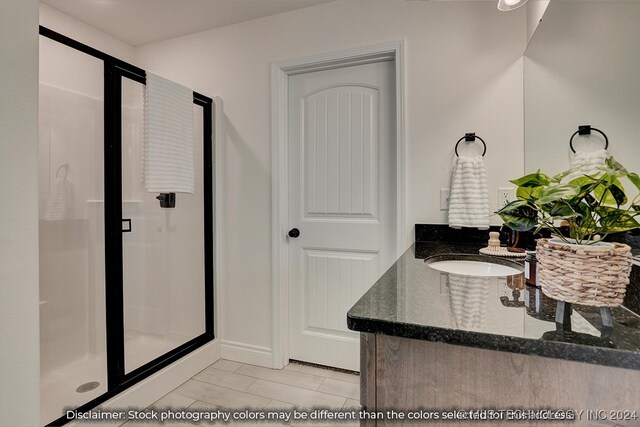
{"points": [[232, 385]]}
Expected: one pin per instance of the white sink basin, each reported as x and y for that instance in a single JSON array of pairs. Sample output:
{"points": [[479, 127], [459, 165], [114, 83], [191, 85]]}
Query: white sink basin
{"points": [[474, 268]]}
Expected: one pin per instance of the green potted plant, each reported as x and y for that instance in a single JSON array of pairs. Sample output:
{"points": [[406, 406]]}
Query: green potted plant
{"points": [[579, 268]]}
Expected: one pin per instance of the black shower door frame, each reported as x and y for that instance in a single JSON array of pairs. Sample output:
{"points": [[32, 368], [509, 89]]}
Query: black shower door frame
{"points": [[115, 70]]}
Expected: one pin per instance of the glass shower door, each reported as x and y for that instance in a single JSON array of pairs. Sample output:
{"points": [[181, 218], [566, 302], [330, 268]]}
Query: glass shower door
{"points": [[73, 362], [162, 248], [126, 287]]}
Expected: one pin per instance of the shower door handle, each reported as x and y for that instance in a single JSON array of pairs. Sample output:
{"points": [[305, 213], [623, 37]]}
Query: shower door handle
{"points": [[126, 225]]}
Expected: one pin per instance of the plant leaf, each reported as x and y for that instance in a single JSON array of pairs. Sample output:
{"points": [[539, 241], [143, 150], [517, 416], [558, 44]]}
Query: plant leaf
{"points": [[615, 165], [583, 180], [562, 210], [603, 195], [614, 220], [519, 223], [591, 203], [563, 175], [586, 183], [519, 215], [512, 206], [558, 192], [582, 208], [611, 194], [537, 179], [618, 194], [634, 178], [590, 200], [619, 223], [528, 193]]}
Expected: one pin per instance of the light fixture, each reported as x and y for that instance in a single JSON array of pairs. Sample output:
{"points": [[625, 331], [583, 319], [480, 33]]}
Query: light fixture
{"points": [[505, 5]]}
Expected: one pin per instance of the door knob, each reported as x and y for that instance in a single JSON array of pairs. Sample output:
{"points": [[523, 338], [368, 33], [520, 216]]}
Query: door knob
{"points": [[294, 232]]}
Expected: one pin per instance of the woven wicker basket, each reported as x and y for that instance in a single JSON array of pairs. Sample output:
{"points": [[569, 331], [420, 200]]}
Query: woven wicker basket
{"points": [[587, 275]]}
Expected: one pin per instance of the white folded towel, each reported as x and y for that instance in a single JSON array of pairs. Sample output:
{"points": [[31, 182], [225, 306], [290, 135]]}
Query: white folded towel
{"points": [[168, 137], [58, 202], [587, 162], [469, 194]]}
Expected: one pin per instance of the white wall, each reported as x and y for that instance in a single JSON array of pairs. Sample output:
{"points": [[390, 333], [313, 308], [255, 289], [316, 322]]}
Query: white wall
{"points": [[581, 67], [78, 30], [463, 73], [19, 357], [535, 12]]}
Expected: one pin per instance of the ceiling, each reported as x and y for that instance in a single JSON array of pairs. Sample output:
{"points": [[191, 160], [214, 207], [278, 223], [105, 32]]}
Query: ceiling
{"points": [[139, 22]]}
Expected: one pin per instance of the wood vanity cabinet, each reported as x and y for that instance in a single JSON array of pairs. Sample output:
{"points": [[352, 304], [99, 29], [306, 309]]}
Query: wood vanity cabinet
{"points": [[407, 374]]}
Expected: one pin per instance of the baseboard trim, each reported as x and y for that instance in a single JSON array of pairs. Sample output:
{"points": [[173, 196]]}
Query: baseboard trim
{"points": [[246, 353], [162, 382]]}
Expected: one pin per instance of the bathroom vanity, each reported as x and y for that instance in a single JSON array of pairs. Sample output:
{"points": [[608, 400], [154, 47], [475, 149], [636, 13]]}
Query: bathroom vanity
{"points": [[437, 341]]}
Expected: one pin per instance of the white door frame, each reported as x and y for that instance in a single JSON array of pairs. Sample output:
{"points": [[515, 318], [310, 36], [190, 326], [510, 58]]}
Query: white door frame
{"points": [[280, 72]]}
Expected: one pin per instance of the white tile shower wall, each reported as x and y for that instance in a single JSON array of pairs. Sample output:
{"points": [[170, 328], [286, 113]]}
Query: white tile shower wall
{"points": [[463, 73], [19, 360]]}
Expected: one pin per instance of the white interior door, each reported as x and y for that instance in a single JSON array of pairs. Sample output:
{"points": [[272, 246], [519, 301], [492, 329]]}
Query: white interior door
{"points": [[342, 183]]}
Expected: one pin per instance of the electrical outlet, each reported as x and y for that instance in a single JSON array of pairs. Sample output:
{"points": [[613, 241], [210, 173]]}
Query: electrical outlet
{"points": [[505, 195], [444, 199]]}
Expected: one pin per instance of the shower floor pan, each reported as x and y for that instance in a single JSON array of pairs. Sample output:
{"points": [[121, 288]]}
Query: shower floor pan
{"points": [[58, 388]]}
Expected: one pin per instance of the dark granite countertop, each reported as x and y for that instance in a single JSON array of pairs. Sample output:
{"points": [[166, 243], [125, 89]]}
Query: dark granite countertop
{"points": [[413, 300]]}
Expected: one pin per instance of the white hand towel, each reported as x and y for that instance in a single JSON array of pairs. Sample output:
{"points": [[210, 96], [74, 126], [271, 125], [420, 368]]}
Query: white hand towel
{"points": [[587, 162], [469, 194], [58, 202], [168, 137]]}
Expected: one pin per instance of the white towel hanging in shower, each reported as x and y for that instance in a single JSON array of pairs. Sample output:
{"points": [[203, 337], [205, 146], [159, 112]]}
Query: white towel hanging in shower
{"points": [[168, 137]]}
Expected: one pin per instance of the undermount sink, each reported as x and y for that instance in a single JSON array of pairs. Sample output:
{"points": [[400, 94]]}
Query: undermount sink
{"points": [[474, 265]]}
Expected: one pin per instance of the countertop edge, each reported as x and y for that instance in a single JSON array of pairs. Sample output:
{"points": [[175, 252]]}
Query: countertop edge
{"points": [[624, 359]]}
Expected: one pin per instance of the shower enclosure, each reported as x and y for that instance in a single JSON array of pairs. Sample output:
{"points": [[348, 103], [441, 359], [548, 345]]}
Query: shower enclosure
{"points": [[126, 287]]}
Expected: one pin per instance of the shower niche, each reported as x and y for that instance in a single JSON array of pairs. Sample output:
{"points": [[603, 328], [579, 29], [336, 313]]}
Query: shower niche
{"points": [[126, 287]]}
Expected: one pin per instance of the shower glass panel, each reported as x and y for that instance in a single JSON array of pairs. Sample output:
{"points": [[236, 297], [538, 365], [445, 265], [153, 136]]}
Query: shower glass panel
{"points": [[163, 253], [73, 366]]}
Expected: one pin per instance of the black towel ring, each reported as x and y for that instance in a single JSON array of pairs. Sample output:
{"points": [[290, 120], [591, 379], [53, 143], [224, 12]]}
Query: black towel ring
{"points": [[471, 137], [586, 130]]}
